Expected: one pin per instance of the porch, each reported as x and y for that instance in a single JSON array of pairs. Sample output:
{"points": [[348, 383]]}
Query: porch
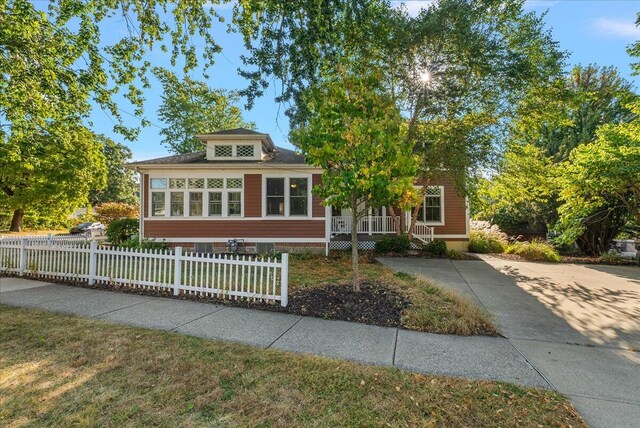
{"points": [[378, 225]]}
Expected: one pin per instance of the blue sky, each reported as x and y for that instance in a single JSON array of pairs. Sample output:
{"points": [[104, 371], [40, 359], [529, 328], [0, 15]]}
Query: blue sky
{"points": [[593, 31]]}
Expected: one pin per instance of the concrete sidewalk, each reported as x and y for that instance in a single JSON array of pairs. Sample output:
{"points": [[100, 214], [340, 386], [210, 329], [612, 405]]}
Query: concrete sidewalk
{"points": [[577, 324], [477, 357]]}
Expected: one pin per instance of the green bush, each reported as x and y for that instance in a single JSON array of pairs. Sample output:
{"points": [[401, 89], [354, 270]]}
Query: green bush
{"points": [[535, 250], [611, 258], [487, 241], [456, 255], [399, 244], [146, 244], [437, 248], [120, 231]]}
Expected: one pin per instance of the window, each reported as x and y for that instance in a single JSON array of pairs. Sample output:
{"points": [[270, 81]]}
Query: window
{"points": [[158, 183], [432, 208], [286, 196], [235, 204], [188, 197], [234, 183], [177, 204], [298, 196], [223, 151], [157, 204], [196, 183], [195, 204], [244, 151], [176, 183], [215, 203], [215, 183], [275, 196]]}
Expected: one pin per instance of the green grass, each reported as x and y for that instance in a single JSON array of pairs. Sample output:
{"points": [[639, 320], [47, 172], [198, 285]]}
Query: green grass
{"points": [[58, 370], [535, 251], [432, 308], [481, 241]]}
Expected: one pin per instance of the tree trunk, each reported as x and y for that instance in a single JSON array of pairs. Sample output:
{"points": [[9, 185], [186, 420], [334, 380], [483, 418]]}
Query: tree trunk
{"points": [[415, 211], [397, 221], [354, 244], [16, 221]]}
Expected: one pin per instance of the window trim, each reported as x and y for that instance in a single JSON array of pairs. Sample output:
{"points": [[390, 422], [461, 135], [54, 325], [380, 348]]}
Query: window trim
{"points": [[205, 197], [287, 199], [442, 202]]}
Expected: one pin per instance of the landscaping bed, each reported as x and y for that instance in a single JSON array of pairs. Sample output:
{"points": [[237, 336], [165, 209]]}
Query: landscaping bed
{"points": [[321, 287], [59, 370], [573, 260]]}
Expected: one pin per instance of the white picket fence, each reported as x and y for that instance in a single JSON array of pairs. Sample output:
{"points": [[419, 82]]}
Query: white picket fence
{"points": [[48, 239], [213, 275]]}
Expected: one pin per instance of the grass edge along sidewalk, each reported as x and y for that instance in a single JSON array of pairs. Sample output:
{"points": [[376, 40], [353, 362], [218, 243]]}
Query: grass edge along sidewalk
{"points": [[64, 370]]}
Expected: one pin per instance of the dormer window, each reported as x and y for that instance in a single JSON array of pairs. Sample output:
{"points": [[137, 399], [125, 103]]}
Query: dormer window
{"points": [[225, 151], [237, 144], [245, 150]]}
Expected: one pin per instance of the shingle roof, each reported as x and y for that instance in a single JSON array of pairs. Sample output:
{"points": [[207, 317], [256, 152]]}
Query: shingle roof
{"points": [[278, 156], [236, 131]]}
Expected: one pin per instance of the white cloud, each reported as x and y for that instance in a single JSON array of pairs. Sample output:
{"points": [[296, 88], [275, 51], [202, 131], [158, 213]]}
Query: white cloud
{"points": [[616, 28], [413, 6]]}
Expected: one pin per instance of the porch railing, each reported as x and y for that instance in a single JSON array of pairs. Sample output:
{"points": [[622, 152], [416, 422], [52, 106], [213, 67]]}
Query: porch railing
{"points": [[369, 224], [377, 225]]}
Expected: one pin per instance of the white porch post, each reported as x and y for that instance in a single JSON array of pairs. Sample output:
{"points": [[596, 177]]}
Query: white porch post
{"points": [[369, 218], [327, 229]]}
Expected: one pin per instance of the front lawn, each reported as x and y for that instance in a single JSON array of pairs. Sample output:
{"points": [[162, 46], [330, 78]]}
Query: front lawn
{"points": [[320, 286], [58, 370]]}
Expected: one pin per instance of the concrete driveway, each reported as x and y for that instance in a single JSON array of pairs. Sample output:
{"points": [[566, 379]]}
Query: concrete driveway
{"points": [[578, 325]]}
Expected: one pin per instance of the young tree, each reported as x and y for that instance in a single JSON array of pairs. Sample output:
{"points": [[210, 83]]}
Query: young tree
{"points": [[190, 107], [121, 185], [353, 131]]}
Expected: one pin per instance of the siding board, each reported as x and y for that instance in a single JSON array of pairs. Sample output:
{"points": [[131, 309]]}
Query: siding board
{"points": [[234, 228], [253, 195]]}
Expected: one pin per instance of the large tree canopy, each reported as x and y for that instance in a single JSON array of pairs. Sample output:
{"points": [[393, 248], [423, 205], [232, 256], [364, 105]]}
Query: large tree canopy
{"points": [[54, 65], [190, 107], [120, 185]]}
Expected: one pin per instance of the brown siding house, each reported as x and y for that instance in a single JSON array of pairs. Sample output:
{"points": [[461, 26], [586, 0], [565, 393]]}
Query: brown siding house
{"points": [[243, 187]]}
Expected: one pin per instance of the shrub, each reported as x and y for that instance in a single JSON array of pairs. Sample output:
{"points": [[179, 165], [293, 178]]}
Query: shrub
{"points": [[394, 244], [456, 255], [120, 231], [611, 257], [487, 241], [146, 244], [110, 211], [437, 247], [534, 250]]}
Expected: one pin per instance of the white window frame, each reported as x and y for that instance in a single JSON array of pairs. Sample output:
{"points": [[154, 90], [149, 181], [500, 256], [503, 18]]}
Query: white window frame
{"points": [[205, 197], [211, 150], [287, 200], [422, 207]]}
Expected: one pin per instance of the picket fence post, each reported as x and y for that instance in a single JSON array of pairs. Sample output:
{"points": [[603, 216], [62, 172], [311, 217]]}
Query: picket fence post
{"points": [[93, 255], [49, 239], [284, 280], [23, 256], [177, 271]]}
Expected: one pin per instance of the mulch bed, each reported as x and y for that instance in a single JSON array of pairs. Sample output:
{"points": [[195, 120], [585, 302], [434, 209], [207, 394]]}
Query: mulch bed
{"points": [[376, 303]]}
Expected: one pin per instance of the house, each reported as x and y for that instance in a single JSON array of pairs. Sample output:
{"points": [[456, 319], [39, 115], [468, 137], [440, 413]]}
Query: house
{"points": [[244, 187]]}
